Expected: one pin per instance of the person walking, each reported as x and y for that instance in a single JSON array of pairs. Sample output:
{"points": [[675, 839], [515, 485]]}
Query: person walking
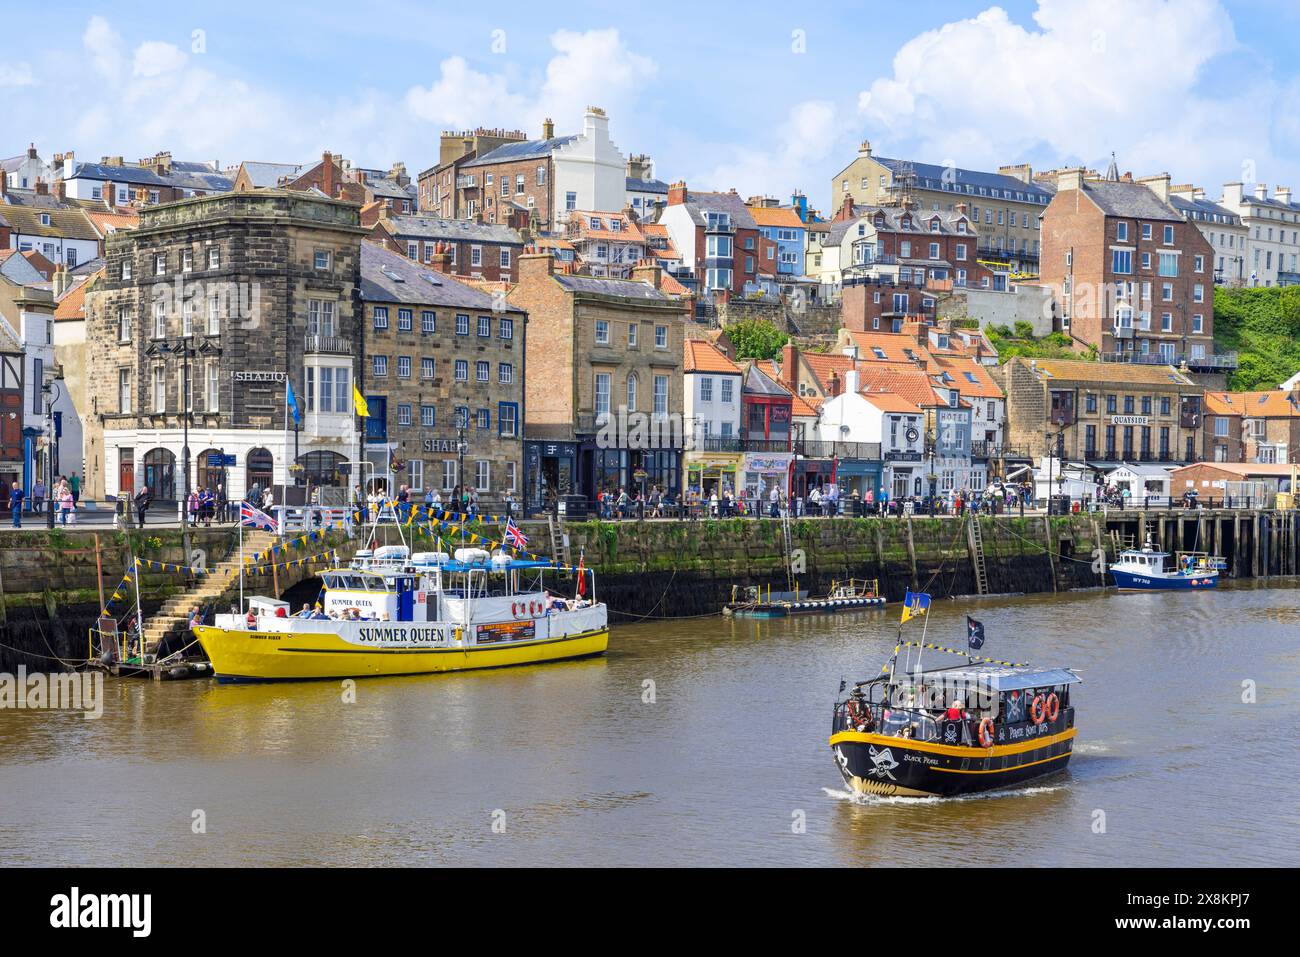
{"points": [[142, 500], [16, 496], [38, 496], [67, 506], [74, 483]]}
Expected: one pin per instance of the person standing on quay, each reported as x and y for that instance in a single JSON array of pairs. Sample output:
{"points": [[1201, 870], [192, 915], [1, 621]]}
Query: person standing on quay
{"points": [[142, 499], [16, 504]]}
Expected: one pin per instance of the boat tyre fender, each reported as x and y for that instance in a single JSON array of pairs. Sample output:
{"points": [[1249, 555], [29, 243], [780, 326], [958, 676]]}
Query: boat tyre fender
{"points": [[986, 733], [1053, 706], [1038, 710]]}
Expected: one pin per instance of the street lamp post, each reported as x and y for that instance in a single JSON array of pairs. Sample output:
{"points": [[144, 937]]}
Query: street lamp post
{"points": [[462, 505], [52, 393]]}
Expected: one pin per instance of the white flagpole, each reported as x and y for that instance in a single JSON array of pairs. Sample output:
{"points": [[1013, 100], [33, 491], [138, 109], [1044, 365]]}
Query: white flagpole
{"points": [[241, 563]]}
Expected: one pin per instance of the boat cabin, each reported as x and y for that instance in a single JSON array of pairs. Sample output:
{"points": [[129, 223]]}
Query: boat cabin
{"points": [[948, 705]]}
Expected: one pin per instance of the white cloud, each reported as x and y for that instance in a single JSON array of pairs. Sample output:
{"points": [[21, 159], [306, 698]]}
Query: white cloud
{"points": [[153, 58], [16, 74], [1094, 76], [103, 45], [594, 68], [463, 97], [807, 137]]}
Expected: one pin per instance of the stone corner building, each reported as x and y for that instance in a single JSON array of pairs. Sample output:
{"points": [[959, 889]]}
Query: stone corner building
{"points": [[600, 351], [248, 291]]}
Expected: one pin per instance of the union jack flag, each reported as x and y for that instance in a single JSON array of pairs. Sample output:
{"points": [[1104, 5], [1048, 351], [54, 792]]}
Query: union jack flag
{"points": [[250, 515], [514, 535]]}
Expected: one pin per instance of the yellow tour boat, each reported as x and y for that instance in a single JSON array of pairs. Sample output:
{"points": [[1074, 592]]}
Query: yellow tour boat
{"points": [[394, 613]]}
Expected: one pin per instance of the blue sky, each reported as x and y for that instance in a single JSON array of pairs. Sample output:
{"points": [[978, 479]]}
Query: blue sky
{"points": [[757, 96]]}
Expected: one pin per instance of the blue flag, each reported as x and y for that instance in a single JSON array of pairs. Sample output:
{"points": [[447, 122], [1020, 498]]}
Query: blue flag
{"points": [[915, 604], [293, 402], [974, 633]]}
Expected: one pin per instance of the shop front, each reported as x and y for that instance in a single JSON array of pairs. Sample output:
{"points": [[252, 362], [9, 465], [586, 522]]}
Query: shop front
{"points": [[709, 472], [904, 475], [809, 474], [550, 472], [763, 471], [857, 477], [633, 470]]}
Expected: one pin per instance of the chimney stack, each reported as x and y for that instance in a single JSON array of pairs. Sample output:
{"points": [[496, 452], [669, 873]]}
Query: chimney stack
{"points": [[535, 266], [1282, 194], [789, 365], [1261, 191], [649, 272], [548, 129], [1070, 178], [61, 190], [1158, 185], [61, 280], [31, 151], [327, 174], [441, 259], [864, 149], [834, 384], [851, 384], [677, 193], [42, 187]]}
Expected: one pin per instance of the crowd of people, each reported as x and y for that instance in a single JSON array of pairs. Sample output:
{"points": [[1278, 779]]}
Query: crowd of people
{"points": [[64, 495]]}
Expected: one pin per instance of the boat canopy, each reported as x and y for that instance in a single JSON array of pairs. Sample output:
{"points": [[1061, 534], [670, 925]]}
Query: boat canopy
{"points": [[494, 566], [994, 678]]}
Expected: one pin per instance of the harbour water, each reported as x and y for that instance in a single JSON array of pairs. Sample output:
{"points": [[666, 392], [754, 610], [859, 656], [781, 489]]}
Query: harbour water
{"points": [[692, 742]]}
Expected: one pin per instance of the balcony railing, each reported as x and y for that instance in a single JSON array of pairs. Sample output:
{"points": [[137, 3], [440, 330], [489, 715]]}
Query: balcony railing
{"points": [[326, 345], [819, 449], [980, 449], [1222, 360], [734, 443]]}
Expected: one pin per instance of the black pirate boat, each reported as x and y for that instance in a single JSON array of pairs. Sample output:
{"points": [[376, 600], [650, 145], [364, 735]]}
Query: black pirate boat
{"points": [[975, 725]]}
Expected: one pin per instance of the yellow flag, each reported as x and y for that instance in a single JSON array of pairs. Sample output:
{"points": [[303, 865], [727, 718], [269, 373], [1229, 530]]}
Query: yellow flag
{"points": [[359, 402]]}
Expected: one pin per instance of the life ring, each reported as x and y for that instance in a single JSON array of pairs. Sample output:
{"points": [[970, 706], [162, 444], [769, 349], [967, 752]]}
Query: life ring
{"points": [[1053, 706], [1038, 710], [514, 609], [986, 733], [532, 608]]}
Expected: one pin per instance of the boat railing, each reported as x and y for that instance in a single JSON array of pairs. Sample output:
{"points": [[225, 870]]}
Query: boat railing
{"points": [[919, 724]]}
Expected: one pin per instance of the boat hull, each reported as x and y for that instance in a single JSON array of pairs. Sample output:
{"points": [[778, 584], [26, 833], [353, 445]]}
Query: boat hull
{"points": [[1133, 581], [886, 765], [240, 655], [814, 606]]}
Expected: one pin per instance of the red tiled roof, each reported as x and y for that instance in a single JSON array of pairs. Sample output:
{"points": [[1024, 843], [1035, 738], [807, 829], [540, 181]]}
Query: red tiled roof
{"points": [[1273, 403], [702, 356]]}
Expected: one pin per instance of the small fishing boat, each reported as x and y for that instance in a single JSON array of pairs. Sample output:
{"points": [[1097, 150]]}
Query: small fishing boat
{"points": [[1143, 569], [977, 725], [851, 595]]}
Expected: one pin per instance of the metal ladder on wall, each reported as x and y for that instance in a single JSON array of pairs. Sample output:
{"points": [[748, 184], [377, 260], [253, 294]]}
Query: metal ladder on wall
{"points": [[559, 540], [976, 539], [787, 534]]}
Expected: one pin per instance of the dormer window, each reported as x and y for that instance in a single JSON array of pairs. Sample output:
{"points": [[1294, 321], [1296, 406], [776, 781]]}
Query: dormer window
{"points": [[45, 219], [934, 224]]}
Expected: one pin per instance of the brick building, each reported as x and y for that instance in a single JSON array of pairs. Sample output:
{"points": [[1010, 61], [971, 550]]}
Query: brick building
{"points": [[436, 186], [440, 355], [1130, 274], [1253, 427], [604, 386], [1005, 205], [1108, 412], [476, 250], [371, 189], [247, 291], [716, 237]]}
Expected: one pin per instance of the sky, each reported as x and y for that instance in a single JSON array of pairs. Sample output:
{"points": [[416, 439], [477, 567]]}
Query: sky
{"points": [[764, 97]]}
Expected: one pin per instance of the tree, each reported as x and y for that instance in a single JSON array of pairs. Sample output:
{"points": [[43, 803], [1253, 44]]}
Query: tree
{"points": [[756, 339]]}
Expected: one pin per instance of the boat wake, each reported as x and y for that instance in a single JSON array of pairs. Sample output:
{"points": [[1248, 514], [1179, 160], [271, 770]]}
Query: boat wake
{"points": [[853, 797]]}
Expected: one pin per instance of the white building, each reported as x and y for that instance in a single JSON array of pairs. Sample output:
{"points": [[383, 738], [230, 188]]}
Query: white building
{"points": [[713, 389], [24, 171], [590, 172], [1222, 229], [1273, 233]]}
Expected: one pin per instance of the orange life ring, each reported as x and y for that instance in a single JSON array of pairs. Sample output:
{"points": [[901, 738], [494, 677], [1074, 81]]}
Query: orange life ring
{"points": [[1053, 706], [986, 733], [1038, 710]]}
